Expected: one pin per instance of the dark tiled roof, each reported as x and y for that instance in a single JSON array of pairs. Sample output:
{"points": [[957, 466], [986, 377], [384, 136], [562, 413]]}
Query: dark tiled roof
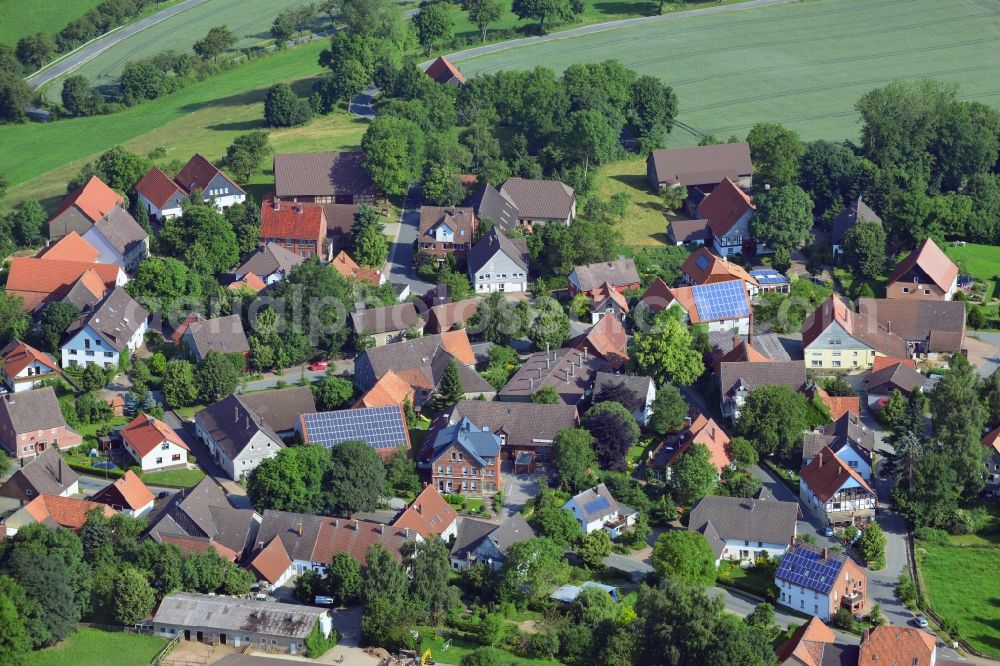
{"points": [[751, 375], [598, 502], [766, 520], [280, 409], [204, 511], [490, 204], [270, 259], [858, 211], [471, 532], [540, 199], [320, 174], [446, 316], [493, 242], [919, 320], [616, 273], [339, 217], [117, 318], [565, 374], [461, 221], [33, 410], [232, 424], [391, 318], [635, 383], [700, 165], [480, 444], [898, 375], [689, 231], [121, 230], [198, 174], [47, 473], [859, 325], [223, 335], [522, 422]]}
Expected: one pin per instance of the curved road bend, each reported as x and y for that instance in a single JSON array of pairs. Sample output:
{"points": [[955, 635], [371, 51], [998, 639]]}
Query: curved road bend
{"points": [[101, 44]]}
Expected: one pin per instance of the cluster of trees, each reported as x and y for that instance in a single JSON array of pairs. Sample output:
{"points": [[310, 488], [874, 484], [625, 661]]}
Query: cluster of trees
{"points": [[499, 321], [51, 579]]}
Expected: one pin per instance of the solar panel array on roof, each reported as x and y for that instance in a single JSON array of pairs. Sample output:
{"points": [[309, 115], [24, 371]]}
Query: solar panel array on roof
{"points": [[379, 427], [808, 569], [599, 504], [768, 277], [721, 300]]}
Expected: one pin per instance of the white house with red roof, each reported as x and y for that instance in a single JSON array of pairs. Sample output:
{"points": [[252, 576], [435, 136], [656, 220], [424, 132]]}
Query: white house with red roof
{"points": [[25, 367], [162, 195], [729, 210], [153, 444]]}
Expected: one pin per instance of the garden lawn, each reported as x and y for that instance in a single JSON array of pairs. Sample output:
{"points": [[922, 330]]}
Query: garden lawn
{"points": [[962, 584], [644, 223], [92, 646], [461, 645], [26, 17], [180, 478], [803, 64], [982, 261], [753, 580]]}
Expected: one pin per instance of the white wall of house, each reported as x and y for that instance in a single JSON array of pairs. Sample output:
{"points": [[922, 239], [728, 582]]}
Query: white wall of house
{"points": [[89, 347], [500, 273], [732, 243], [166, 454], [110, 255], [804, 600], [589, 526], [835, 504], [259, 448], [740, 325], [172, 209], [743, 550], [855, 461], [29, 377]]}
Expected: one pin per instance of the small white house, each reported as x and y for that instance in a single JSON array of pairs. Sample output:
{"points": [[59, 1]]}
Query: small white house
{"points": [[744, 529], [100, 335], [596, 509], [119, 239], [128, 495], [497, 263], [25, 367], [153, 444], [164, 196]]}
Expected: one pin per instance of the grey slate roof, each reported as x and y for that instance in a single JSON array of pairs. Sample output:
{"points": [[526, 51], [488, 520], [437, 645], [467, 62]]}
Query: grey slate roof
{"points": [[493, 242], [80, 296], [751, 375], [511, 531], [540, 199], [223, 335], [490, 204], [585, 498], [121, 230], [204, 511], [565, 374], [232, 424], [616, 273], [700, 165], [268, 260], [766, 520], [32, 410], [898, 375], [522, 422], [280, 409], [232, 614], [857, 211], [478, 443], [116, 319], [470, 532], [918, 320], [850, 427], [635, 383], [768, 344], [299, 544], [47, 474], [391, 318]]}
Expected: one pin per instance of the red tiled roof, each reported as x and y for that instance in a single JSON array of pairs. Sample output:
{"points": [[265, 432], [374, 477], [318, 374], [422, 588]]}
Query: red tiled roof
{"points": [[839, 404], [355, 537], [350, 269], [886, 361], [744, 351], [428, 514], [299, 221], [931, 260], [19, 355], [907, 646], [715, 268], [36, 279], [95, 199], [70, 247], [603, 293], [144, 434], [442, 71], [67, 512], [806, 644], [657, 296], [607, 339], [390, 389], [724, 206], [992, 440], [128, 491], [198, 174], [182, 327], [189, 545], [157, 187], [858, 325], [272, 561], [250, 281], [826, 474]]}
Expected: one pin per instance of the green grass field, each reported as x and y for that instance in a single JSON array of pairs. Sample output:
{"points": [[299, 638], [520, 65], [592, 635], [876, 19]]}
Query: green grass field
{"points": [[804, 65], [461, 645], [26, 17], [183, 478], [971, 599], [645, 223], [249, 19], [982, 261], [92, 646]]}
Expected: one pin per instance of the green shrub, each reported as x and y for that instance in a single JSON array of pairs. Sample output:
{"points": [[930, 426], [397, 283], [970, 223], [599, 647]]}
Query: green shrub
{"points": [[317, 644], [906, 591], [932, 535]]}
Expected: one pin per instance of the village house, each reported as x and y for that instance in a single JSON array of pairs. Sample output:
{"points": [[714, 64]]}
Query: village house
{"points": [[101, 335], [596, 509], [445, 73], [929, 327], [835, 337], [463, 458], [745, 529], [643, 387], [702, 267], [694, 233], [31, 422], [728, 211], [815, 644], [347, 267], [45, 474], [241, 623], [237, 439], [450, 316], [223, 335], [40, 280], [479, 542], [128, 495], [698, 429], [322, 178], [446, 230], [991, 441], [83, 207], [382, 428], [163, 196], [200, 517], [270, 263], [569, 371], [119, 239], [906, 646], [893, 375], [68, 513], [388, 324], [25, 367], [489, 203], [540, 201], [390, 389], [926, 274], [819, 581], [737, 380], [848, 438], [834, 492], [279, 409], [699, 167], [497, 263], [153, 444], [429, 515], [620, 274], [856, 211], [720, 306], [605, 340], [340, 219], [300, 229]]}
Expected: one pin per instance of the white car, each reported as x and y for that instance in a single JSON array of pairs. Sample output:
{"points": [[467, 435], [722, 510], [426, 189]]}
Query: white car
{"points": [[921, 621]]}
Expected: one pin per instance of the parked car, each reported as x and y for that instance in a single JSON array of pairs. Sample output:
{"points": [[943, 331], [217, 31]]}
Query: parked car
{"points": [[828, 531], [921, 621], [322, 364]]}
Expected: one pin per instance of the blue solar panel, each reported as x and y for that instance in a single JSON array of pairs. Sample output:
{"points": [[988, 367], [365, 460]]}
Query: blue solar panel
{"points": [[599, 504], [379, 427], [807, 568], [768, 277], [721, 300]]}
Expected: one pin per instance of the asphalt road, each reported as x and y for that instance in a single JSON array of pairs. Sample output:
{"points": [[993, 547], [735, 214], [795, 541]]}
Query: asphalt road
{"points": [[106, 41], [992, 364], [399, 267]]}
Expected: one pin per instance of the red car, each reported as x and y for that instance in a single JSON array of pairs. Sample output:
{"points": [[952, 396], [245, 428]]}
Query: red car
{"points": [[319, 365]]}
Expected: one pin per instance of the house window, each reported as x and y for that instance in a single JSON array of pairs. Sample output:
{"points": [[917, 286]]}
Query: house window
{"points": [[88, 353], [836, 364], [86, 344], [108, 354], [927, 292], [165, 446], [906, 290], [159, 461], [817, 364]]}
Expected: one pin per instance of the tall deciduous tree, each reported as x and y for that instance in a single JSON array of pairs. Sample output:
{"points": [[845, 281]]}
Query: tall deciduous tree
{"points": [[383, 578], [684, 556], [669, 410], [574, 458], [343, 579], [590, 137], [371, 247], [283, 108], [201, 226], [14, 640], [550, 328], [434, 25], [666, 352], [773, 418], [357, 477], [430, 568], [695, 475], [219, 39], [14, 322], [864, 249], [784, 217], [483, 12], [394, 153], [15, 97], [218, 375], [179, 387], [614, 430], [651, 111], [532, 569], [246, 153], [79, 98], [554, 10], [133, 597], [775, 151], [292, 481]]}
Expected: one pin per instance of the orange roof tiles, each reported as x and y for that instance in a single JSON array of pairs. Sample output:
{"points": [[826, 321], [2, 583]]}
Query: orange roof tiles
{"points": [[715, 269], [724, 207], [298, 221], [144, 434], [992, 440], [826, 474], [36, 280], [442, 71], [67, 512], [250, 281], [157, 187], [603, 293], [806, 644], [20, 355], [744, 351], [657, 296], [272, 561], [94, 199], [350, 269], [931, 260], [428, 514], [607, 339], [389, 390], [128, 491], [887, 361], [906, 646], [70, 247], [457, 344]]}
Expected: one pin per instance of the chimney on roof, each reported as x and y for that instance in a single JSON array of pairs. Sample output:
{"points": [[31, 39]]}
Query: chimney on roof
{"points": [[236, 414], [531, 383], [888, 326], [826, 553], [381, 528], [357, 526], [820, 458], [406, 533], [298, 529]]}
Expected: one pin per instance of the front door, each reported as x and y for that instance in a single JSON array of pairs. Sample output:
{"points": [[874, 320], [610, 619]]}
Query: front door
{"points": [[39, 447], [200, 637], [222, 638], [187, 634]]}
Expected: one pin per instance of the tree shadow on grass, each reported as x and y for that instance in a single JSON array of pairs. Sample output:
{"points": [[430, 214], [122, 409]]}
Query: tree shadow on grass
{"points": [[637, 8], [239, 126], [634, 180]]}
